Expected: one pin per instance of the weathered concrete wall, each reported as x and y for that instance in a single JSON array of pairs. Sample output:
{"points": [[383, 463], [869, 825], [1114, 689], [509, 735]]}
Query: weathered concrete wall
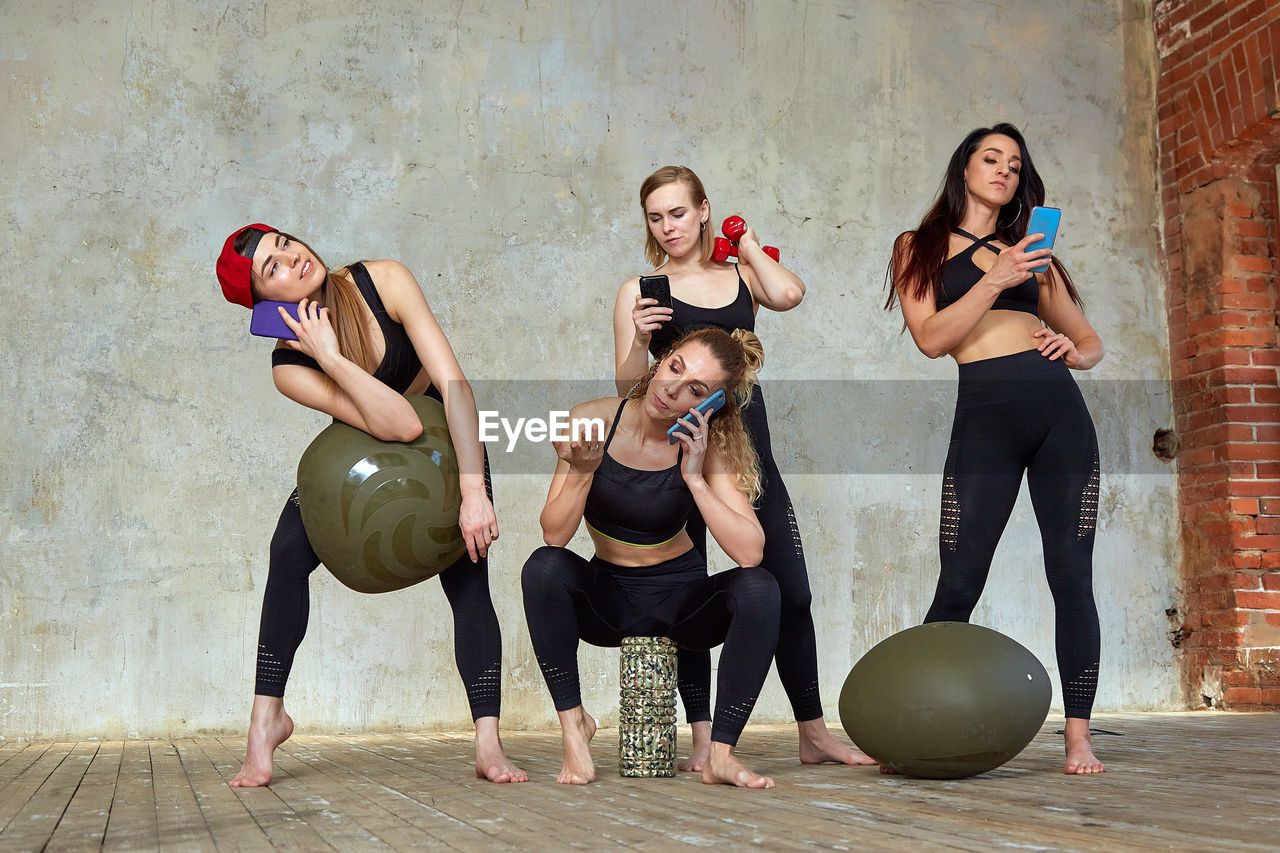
{"points": [[496, 148]]}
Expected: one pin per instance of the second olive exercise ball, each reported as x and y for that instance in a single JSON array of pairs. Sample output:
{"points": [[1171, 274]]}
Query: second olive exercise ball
{"points": [[945, 700], [383, 515]]}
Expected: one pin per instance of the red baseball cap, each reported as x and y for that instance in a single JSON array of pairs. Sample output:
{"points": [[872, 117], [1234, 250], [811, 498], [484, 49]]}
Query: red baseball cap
{"points": [[236, 271]]}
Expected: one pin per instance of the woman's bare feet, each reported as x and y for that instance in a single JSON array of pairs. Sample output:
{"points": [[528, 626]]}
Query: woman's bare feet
{"points": [[577, 729], [491, 761], [817, 746], [1080, 757], [269, 726], [724, 768], [701, 745]]}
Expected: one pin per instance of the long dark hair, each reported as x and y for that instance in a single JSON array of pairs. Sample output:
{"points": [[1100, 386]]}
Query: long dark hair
{"points": [[340, 296], [918, 256]]}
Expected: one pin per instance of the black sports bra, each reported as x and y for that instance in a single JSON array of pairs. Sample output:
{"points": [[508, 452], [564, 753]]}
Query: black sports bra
{"points": [[400, 364], [738, 314], [960, 274], [635, 506]]}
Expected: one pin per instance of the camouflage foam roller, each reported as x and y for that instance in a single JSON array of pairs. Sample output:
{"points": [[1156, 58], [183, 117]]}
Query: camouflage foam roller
{"points": [[647, 703]]}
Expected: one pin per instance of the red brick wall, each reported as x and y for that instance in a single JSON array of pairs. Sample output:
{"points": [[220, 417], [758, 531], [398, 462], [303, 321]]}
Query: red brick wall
{"points": [[1219, 126]]}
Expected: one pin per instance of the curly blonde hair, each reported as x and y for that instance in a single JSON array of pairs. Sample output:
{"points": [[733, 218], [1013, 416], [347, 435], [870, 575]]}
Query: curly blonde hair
{"points": [[741, 355]]}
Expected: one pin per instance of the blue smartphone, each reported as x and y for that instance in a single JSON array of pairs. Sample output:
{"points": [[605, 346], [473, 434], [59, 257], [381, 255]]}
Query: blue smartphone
{"points": [[267, 323], [708, 407], [1044, 220]]}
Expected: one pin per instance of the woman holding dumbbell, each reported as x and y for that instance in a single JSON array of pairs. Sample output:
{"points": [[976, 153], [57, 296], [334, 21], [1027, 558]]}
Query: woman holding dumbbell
{"points": [[365, 338], [985, 301], [706, 292]]}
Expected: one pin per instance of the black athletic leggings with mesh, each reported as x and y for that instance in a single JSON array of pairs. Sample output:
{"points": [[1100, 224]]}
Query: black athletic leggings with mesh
{"points": [[1017, 413], [568, 598], [477, 639], [797, 652]]}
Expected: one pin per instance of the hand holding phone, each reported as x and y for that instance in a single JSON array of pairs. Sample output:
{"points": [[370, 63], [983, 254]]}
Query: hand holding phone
{"points": [[648, 319], [1044, 220], [708, 407], [657, 287], [267, 322]]}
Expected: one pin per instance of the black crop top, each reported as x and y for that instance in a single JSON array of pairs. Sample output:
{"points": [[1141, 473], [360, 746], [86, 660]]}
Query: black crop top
{"points": [[400, 364], [960, 274], [635, 506], [738, 314]]}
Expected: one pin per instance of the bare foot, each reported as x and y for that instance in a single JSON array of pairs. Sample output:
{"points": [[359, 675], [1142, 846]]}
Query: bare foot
{"points": [[577, 729], [1080, 757], [817, 746], [269, 726], [697, 759], [491, 762], [724, 768]]}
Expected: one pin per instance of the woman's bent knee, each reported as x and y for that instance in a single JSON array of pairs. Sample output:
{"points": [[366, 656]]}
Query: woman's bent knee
{"points": [[545, 565], [755, 589]]}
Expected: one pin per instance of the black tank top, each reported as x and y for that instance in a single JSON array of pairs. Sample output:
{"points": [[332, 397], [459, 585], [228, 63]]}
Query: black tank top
{"points": [[738, 314], [635, 506], [960, 274], [400, 364]]}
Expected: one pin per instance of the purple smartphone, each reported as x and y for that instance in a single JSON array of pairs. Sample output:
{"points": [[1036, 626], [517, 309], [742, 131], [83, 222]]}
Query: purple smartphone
{"points": [[267, 323]]}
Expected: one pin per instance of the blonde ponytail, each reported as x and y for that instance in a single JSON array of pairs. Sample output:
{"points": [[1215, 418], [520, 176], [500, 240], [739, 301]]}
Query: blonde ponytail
{"points": [[752, 350]]}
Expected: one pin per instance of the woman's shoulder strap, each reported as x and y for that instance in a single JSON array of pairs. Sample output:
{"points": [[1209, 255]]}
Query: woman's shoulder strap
{"points": [[984, 242], [614, 426]]}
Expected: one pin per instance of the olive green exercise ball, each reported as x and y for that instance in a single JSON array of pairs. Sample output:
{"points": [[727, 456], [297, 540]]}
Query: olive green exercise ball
{"points": [[945, 700], [383, 515]]}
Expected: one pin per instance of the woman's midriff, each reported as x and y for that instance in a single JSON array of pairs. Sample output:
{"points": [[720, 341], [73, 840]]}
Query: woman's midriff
{"points": [[998, 333], [622, 554]]}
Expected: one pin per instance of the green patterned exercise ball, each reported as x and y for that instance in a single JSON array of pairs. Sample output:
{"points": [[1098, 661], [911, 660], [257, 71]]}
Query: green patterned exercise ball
{"points": [[945, 700], [383, 515]]}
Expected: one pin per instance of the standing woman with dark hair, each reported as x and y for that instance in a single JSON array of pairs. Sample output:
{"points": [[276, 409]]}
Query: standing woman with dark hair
{"points": [[366, 337], [1018, 409], [707, 293]]}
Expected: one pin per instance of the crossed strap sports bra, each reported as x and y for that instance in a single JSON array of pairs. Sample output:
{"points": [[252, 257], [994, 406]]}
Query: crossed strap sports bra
{"points": [[400, 364], [636, 506], [960, 274]]}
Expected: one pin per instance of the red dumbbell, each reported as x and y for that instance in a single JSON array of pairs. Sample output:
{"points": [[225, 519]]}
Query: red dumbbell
{"points": [[727, 246]]}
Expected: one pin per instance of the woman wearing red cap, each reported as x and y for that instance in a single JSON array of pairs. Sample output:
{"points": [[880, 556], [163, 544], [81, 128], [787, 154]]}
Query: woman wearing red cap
{"points": [[366, 337]]}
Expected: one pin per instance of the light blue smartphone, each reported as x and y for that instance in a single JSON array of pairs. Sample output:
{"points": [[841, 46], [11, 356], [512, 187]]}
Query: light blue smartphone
{"points": [[1044, 220], [708, 407]]}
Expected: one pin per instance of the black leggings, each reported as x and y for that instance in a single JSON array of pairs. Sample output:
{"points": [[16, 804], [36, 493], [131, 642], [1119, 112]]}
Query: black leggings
{"points": [[1019, 413], [568, 598], [477, 640], [797, 652]]}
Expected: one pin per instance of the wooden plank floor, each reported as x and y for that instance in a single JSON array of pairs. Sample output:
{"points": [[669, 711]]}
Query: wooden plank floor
{"points": [[1188, 781]]}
